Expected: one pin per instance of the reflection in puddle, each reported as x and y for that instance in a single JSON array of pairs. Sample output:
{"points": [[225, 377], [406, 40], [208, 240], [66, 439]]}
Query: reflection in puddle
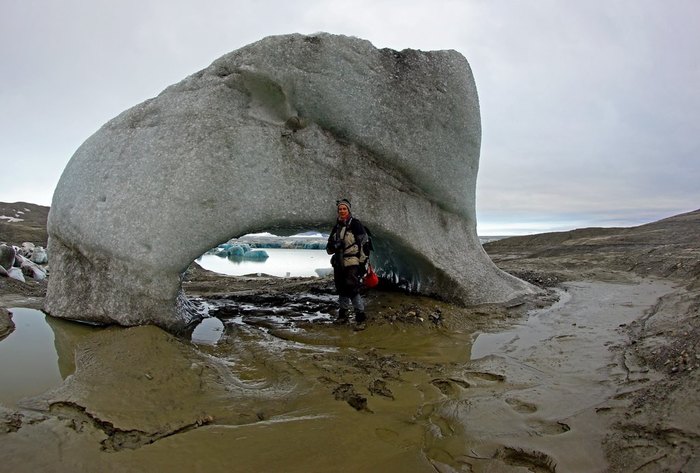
{"points": [[38, 355], [28, 358]]}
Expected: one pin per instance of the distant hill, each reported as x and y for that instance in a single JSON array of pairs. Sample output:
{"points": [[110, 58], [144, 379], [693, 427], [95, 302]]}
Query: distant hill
{"points": [[682, 229], [666, 247], [22, 221]]}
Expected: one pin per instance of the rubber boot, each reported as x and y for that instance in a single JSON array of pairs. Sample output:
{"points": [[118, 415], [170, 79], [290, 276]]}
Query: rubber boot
{"points": [[342, 316], [360, 319]]}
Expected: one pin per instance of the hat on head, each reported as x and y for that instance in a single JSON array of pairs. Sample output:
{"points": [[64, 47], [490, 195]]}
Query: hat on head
{"points": [[345, 202]]}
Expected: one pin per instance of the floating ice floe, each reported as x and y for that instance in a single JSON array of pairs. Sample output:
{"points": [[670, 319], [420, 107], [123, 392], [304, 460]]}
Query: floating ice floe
{"points": [[238, 251]]}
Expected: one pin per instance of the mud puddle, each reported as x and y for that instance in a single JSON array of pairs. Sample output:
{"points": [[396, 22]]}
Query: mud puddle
{"points": [[275, 386], [30, 357]]}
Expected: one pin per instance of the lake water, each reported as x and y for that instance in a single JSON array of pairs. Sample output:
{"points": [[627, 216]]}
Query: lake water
{"points": [[282, 262]]}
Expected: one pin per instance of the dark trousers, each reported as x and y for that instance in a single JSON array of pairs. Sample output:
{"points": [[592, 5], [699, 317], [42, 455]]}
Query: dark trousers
{"points": [[347, 283]]}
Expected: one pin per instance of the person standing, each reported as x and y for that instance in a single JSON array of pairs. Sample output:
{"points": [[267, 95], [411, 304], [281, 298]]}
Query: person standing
{"points": [[348, 243]]}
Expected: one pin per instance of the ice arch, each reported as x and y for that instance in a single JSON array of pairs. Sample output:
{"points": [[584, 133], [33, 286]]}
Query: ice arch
{"points": [[269, 136]]}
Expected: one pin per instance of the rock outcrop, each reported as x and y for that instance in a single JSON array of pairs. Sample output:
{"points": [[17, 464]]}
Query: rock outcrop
{"points": [[268, 137]]}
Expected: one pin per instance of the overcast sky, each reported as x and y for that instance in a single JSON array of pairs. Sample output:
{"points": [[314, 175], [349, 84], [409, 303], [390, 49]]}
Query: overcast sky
{"points": [[590, 110]]}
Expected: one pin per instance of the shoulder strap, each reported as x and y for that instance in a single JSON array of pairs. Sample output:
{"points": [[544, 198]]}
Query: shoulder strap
{"points": [[357, 227]]}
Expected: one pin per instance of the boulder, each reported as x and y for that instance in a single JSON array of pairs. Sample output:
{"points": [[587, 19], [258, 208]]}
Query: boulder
{"points": [[7, 256], [39, 255], [267, 138], [16, 273], [31, 269], [26, 249]]}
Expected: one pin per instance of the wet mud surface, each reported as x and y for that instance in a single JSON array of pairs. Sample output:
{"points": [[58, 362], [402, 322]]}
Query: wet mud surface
{"points": [[599, 372], [275, 385]]}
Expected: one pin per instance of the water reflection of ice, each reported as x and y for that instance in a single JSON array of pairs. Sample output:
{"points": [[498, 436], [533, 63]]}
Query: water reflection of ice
{"points": [[282, 262]]}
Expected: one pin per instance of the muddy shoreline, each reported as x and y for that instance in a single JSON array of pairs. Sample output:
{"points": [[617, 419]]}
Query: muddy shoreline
{"points": [[597, 373]]}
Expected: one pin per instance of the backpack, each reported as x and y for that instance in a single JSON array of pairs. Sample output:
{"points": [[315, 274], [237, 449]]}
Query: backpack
{"points": [[367, 247]]}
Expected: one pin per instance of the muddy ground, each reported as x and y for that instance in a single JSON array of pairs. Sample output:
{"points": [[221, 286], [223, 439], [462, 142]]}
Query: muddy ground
{"points": [[599, 372]]}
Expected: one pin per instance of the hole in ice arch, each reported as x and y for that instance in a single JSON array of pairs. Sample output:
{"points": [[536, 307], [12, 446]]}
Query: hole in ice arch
{"points": [[399, 268], [286, 305], [281, 253], [298, 250], [301, 252]]}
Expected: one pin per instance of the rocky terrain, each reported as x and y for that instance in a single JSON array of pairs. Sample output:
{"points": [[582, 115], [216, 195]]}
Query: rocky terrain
{"points": [[23, 222], [658, 426], [611, 385], [667, 248]]}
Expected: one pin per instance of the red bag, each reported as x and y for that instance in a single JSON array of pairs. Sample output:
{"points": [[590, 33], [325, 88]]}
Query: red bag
{"points": [[370, 280]]}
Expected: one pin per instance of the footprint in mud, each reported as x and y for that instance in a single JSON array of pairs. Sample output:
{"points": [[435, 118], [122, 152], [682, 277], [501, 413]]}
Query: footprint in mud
{"points": [[530, 459], [346, 392], [399, 439], [387, 435], [604, 410], [624, 395], [521, 406], [379, 387], [449, 386], [486, 375], [540, 427]]}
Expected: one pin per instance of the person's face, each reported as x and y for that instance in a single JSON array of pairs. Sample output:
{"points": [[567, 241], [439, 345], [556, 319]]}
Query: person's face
{"points": [[343, 211]]}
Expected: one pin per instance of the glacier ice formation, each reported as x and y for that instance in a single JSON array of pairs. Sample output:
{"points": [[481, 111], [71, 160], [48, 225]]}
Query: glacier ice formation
{"points": [[268, 137]]}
